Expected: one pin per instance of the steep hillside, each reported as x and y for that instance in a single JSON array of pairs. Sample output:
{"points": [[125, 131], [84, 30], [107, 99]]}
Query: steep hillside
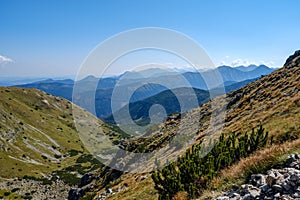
{"points": [[34, 124], [272, 101]]}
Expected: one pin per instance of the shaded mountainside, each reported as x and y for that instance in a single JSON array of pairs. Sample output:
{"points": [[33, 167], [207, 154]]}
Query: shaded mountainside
{"points": [[272, 101], [228, 74], [56, 88], [238, 74], [139, 110]]}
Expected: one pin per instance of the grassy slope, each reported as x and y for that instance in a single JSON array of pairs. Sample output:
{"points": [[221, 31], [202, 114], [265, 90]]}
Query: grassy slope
{"points": [[32, 124]]}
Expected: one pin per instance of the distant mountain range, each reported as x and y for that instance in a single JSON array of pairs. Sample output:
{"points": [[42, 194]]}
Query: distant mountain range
{"points": [[152, 82], [11, 81]]}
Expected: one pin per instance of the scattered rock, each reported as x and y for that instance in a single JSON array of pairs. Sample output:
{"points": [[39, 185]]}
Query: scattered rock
{"points": [[271, 179], [277, 187], [109, 191], [258, 179], [36, 189], [223, 198], [275, 184]]}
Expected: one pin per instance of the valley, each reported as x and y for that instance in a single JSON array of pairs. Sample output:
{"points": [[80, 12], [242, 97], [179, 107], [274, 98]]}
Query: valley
{"points": [[41, 147], [271, 101], [149, 100]]}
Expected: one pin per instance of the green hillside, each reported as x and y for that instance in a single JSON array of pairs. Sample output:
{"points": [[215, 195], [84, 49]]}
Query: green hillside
{"points": [[40, 146], [36, 132]]}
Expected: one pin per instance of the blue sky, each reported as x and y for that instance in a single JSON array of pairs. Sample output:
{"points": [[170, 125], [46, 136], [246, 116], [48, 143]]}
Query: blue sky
{"points": [[52, 38]]}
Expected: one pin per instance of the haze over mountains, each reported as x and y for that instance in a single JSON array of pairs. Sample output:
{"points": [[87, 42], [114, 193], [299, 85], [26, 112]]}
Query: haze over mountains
{"points": [[148, 79], [150, 100], [40, 145]]}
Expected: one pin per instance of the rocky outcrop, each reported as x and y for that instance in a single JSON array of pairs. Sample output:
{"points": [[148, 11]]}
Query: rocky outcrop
{"points": [[93, 182], [283, 183], [85, 185], [293, 60], [32, 189]]}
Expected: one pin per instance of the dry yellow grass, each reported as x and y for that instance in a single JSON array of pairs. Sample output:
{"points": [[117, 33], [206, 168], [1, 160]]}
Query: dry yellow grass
{"points": [[137, 188], [180, 196], [256, 163]]}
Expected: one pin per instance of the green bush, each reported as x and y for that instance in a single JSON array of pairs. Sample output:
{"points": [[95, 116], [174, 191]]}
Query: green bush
{"points": [[57, 156], [192, 172], [88, 197], [6, 193], [15, 189], [84, 158], [66, 177], [73, 152]]}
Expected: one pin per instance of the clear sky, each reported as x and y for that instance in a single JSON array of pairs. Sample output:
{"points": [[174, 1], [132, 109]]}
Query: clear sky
{"points": [[52, 38]]}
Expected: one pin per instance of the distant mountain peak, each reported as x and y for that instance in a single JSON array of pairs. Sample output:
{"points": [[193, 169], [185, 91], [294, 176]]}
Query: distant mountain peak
{"points": [[90, 77]]}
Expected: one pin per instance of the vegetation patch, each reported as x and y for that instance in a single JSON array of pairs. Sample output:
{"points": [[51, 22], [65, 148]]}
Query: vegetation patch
{"points": [[192, 172]]}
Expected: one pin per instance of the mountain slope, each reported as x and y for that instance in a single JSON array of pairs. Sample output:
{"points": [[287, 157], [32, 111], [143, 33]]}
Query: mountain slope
{"points": [[273, 101], [40, 150], [238, 85], [34, 124]]}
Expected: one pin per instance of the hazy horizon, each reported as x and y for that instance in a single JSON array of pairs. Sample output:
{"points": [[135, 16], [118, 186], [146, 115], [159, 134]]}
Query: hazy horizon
{"points": [[73, 77]]}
